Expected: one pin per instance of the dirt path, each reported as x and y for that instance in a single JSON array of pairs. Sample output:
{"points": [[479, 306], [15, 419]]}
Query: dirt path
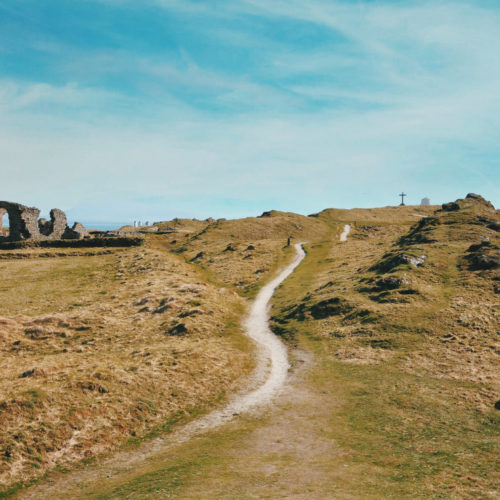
{"points": [[269, 378], [345, 233]]}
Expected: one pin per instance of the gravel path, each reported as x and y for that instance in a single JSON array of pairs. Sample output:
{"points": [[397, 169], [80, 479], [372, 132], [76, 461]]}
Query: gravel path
{"points": [[345, 233]]}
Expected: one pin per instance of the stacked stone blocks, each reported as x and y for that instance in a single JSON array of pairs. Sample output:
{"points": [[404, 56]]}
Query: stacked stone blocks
{"points": [[24, 224]]}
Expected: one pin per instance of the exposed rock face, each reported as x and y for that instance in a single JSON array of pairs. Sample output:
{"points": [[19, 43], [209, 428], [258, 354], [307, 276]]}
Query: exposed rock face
{"points": [[473, 198], [490, 223], [392, 261], [24, 224], [485, 260], [390, 282], [452, 206]]}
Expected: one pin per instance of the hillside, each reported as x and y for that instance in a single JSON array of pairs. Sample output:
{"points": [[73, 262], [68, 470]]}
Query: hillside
{"points": [[241, 253], [393, 338], [433, 285], [404, 317], [104, 349]]}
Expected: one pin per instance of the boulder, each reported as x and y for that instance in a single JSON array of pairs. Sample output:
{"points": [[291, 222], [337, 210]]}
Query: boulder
{"points": [[485, 260], [478, 198], [391, 282], [392, 261]]}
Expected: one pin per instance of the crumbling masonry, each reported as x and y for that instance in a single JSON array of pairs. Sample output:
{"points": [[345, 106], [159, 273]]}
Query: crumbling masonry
{"points": [[25, 225]]}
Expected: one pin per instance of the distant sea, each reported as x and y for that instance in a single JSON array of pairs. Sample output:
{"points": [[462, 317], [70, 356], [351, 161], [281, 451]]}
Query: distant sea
{"points": [[101, 226], [105, 226]]}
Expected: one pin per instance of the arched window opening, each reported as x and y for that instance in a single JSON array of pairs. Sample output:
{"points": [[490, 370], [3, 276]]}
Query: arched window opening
{"points": [[4, 223]]}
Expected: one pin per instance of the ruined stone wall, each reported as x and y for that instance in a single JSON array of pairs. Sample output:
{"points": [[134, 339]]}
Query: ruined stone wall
{"points": [[23, 221], [24, 224], [56, 226], [2, 213]]}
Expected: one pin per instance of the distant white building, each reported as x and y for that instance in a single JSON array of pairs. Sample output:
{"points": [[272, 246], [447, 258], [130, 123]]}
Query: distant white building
{"points": [[425, 201]]}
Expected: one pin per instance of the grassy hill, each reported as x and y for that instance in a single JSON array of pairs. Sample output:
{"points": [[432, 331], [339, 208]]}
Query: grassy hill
{"points": [[241, 253], [101, 350], [403, 319], [400, 324]]}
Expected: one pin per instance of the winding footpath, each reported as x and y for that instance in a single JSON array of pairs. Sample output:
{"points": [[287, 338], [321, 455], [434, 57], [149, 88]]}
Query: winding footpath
{"points": [[345, 233], [268, 379]]}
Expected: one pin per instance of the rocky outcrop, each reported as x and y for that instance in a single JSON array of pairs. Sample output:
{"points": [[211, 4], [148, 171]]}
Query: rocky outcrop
{"points": [[470, 200], [452, 206], [391, 282], [392, 261], [421, 232], [490, 223], [484, 255], [485, 260], [25, 225]]}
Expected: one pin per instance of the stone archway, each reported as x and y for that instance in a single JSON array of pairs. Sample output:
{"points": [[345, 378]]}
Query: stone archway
{"points": [[23, 221]]}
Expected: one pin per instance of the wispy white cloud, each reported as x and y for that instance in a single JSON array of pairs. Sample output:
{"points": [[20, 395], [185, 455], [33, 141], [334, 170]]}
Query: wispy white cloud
{"points": [[408, 98]]}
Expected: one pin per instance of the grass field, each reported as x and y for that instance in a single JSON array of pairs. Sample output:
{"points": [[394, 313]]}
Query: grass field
{"points": [[101, 350], [393, 339]]}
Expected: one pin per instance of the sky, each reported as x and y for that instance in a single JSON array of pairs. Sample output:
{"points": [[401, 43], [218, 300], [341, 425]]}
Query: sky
{"points": [[121, 110]]}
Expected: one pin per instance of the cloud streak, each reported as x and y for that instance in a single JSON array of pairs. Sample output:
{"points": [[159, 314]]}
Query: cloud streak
{"points": [[256, 105]]}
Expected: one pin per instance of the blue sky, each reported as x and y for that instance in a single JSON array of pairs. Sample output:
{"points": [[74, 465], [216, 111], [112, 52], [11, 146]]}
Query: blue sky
{"points": [[151, 109]]}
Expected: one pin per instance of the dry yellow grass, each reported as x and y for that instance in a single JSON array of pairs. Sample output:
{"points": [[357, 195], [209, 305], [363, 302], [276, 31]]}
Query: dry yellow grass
{"points": [[98, 349], [397, 398], [450, 307], [416, 365], [241, 253]]}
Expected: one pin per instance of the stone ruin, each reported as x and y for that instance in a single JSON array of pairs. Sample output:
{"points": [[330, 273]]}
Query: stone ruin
{"points": [[24, 224]]}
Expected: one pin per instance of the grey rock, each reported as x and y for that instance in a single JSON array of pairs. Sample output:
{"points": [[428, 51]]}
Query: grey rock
{"points": [[390, 282], [393, 261], [77, 232], [486, 260], [452, 206], [415, 261], [23, 221]]}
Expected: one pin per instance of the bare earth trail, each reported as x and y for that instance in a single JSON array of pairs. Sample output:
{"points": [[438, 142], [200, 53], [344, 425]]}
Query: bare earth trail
{"points": [[345, 232], [269, 379]]}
